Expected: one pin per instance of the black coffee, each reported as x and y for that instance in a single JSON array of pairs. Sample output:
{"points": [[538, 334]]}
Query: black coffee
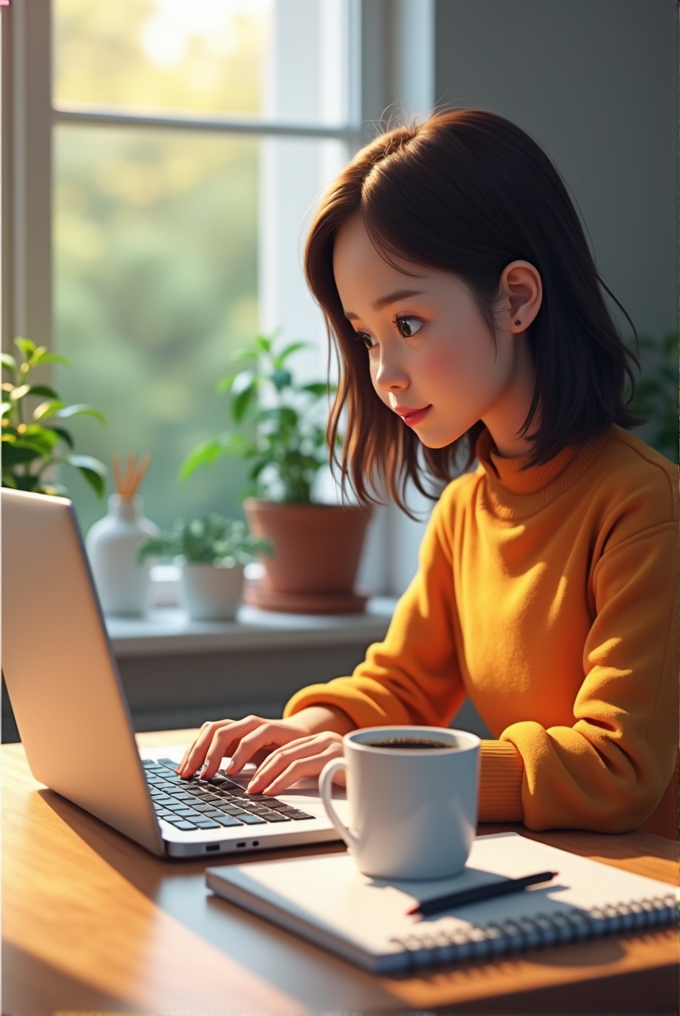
{"points": [[410, 743]]}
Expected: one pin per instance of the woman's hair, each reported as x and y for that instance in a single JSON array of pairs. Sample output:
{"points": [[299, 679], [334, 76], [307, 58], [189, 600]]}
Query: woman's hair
{"points": [[468, 192]]}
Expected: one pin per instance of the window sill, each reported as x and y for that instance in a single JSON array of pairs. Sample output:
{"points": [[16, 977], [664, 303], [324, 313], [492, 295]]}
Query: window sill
{"points": [[168, 630]]}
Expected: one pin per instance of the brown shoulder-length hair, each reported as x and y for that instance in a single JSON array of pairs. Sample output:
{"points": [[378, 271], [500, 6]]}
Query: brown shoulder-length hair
{"points": [[468, 192]]}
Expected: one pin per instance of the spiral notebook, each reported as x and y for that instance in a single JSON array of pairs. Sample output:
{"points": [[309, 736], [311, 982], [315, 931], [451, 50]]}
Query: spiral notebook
{"points": [[326, 900]]}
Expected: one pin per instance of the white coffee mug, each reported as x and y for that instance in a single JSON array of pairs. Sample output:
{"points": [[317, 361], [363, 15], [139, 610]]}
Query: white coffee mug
{"points": [[413, 808]]}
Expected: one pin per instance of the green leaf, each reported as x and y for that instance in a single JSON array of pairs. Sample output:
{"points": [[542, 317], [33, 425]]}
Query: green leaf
{"points": [[225, 383], [79, 410], [281, 379], [243, 391], [263, 344], [85, 462], [318, 388], [44, 390], [7, 361], [95, 480], [47, 409], [43, 439], [16, 456], [27, 347], [64, 435], [243, 354], [208, 452], [19, 393], [287, 351], [6, 408], [90, 468], [8, 480], [45, 357]]}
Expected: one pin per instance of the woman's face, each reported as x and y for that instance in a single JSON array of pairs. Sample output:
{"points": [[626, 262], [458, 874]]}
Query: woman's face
{"points": [[431, 356]]}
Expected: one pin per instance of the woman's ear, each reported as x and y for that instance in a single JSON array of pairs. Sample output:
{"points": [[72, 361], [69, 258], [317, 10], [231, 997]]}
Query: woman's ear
{"points": [[521, 295]]}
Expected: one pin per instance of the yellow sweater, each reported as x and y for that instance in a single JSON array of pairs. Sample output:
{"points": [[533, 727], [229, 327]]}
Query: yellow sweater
{"points": [[547, 596]]}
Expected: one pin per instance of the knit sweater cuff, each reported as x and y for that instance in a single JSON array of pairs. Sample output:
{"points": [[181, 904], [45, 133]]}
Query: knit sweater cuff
{"points": [[500, 783]]}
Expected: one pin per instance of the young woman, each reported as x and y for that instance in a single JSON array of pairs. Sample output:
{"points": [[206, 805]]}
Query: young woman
{"points": [[462, 297]]}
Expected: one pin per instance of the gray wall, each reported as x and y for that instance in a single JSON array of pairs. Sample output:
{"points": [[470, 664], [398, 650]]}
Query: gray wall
{"points": [[595, 82]]}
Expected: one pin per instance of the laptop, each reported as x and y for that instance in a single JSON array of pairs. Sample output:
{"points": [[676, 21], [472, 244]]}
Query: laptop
{"points": [[74, 720]]}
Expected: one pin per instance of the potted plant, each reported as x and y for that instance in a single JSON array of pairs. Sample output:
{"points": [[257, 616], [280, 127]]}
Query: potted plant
{"points": [[212, 553], [280, 430], [35, 441]]}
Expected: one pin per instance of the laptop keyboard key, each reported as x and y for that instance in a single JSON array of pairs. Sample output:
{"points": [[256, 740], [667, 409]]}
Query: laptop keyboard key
{"points": [[251, 819], [183, 825], [274, 816], [206, 823], [227, 820]]}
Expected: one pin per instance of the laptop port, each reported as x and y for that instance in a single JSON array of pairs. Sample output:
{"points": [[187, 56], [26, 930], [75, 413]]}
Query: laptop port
{"points": [[256, 843], [212, 846], [241, 844]]}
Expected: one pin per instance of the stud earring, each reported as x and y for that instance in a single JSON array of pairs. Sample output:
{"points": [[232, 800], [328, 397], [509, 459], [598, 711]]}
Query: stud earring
{"points": [[518, 322]]}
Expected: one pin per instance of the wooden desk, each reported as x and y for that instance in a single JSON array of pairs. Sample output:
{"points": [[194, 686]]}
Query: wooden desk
{"points": [[93, 922]]}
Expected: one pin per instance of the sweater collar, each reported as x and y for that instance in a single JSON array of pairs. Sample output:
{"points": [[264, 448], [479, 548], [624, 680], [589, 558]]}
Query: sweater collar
{"points": [[514, 490]]}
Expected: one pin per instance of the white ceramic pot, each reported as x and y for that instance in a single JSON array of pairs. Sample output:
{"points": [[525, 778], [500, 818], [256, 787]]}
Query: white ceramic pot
{"points": [[123, 585], [211, 592]]}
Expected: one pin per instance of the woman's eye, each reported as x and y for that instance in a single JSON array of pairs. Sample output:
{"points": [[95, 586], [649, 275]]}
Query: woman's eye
{"points": [[367, 339], [408, 325]]}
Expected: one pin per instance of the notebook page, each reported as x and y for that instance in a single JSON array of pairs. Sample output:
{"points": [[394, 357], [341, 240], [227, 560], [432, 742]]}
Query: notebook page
{"points": [[330, 895]]}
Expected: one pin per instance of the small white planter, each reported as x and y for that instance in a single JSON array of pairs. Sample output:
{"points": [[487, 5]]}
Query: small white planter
{"points": [[123, 585], [211, 592]]}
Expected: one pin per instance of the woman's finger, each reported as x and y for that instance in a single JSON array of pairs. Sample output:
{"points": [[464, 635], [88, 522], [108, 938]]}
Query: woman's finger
{"points": [[296, 770], [270, 734], [188, 751], [231, 730], [279, 760]]}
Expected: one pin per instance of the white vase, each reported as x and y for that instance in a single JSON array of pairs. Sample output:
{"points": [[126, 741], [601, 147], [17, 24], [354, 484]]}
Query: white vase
{"points": [[123, 585], [211, 592]]}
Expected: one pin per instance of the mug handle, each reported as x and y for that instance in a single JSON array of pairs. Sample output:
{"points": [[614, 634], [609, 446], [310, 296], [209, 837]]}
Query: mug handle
{"points": [[326, 792]]}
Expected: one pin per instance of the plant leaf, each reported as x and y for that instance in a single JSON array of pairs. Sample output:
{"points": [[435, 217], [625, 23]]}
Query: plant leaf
{"points": [[64, 435], [85, 462], [15, 456], [18, 393], [6, 408], [79, 410], [243, 354], [207, 452], [318, 388], [45, 357], [95, 480], [287, 351], [27, 347], [41, 390], [281, 378], [47, 409], [263, 344], [8, 361], [225, 383]]}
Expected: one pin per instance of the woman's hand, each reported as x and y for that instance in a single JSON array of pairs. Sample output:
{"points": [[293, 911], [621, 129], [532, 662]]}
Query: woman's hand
{"points": [[254, 738], [247, 740], [304, 757]]}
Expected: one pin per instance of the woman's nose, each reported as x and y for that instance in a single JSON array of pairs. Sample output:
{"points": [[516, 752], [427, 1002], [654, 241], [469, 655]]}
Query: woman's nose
{"points": [[390, 375]]}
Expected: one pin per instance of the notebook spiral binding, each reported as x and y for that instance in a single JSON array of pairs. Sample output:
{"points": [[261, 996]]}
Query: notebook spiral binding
{"points": [[534, 932]]}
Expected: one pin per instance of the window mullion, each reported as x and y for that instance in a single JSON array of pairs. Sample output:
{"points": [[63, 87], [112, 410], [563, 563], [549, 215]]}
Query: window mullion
{"points": [[31, 171]]}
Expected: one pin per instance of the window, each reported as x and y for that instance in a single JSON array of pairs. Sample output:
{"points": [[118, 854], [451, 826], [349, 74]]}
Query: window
{"points": [[189, 141], [160, 161]]}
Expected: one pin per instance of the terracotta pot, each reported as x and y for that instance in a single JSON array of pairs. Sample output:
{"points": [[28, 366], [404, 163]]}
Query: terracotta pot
{"points": [[318, 549]]}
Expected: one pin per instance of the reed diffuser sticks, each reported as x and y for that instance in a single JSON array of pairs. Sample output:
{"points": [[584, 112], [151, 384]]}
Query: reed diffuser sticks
{"points": [[129, 482]]}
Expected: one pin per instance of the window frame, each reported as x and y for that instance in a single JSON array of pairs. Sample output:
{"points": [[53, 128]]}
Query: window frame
{"points": [[391, 70]]}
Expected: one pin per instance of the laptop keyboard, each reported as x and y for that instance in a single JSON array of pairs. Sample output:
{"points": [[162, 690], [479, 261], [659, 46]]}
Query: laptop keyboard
{"points": [[211, 804]]}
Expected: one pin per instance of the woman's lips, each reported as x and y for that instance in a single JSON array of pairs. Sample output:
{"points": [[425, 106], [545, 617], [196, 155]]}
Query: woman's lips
{"points": [[412, 416]]}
